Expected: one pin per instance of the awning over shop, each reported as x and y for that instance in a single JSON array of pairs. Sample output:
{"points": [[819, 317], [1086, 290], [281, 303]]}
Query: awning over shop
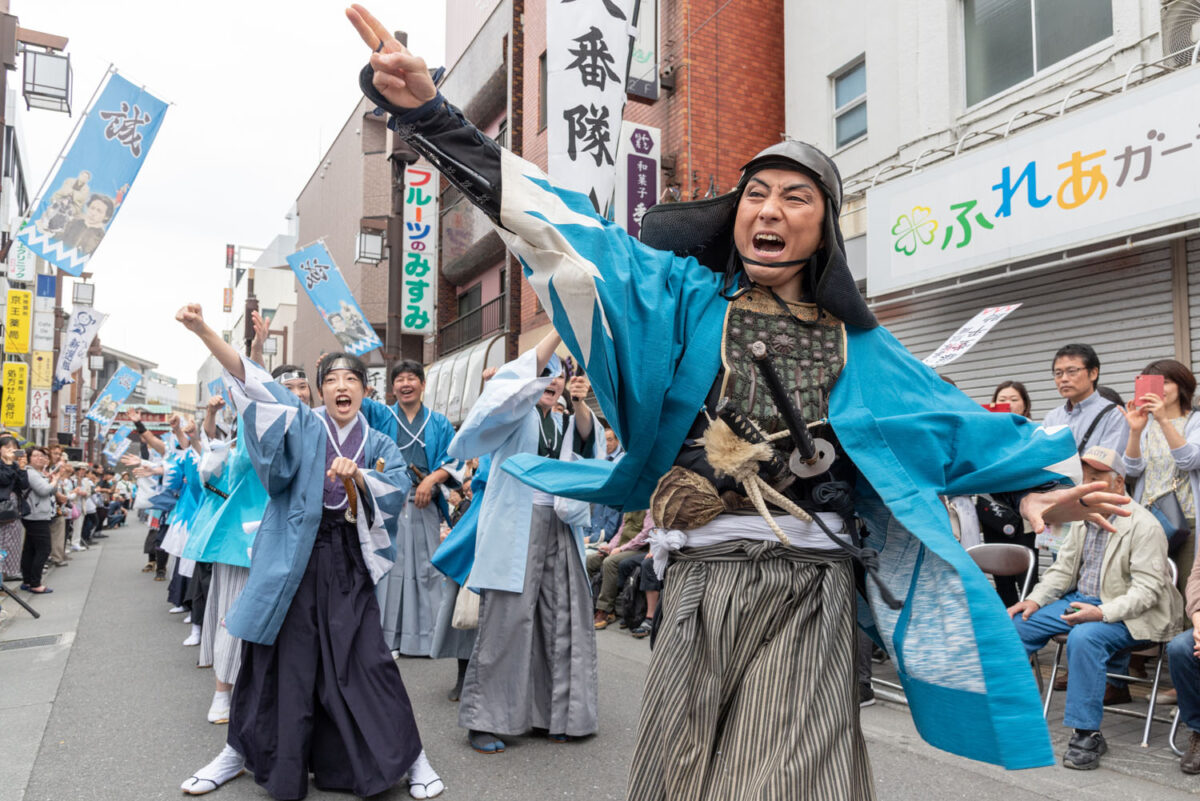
{"points": [[453, 384]]}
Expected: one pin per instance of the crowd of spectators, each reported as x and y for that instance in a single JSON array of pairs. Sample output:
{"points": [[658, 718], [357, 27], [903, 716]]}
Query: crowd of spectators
{"points": [[1113, 592], [51, 507]]}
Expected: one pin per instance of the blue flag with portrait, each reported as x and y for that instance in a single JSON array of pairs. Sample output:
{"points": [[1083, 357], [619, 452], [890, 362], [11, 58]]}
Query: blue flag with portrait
{"points": [[104, 408], [322, 280], [118, 443], [91, 184]]}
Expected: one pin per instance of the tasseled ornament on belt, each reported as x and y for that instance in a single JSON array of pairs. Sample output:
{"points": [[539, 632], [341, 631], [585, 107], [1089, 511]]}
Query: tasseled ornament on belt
{"points": [[742, 455]]}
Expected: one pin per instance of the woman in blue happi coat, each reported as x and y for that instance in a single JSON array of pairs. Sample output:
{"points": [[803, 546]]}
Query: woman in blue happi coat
{"points": [[222, 536], [751, 690], [318, 691]]}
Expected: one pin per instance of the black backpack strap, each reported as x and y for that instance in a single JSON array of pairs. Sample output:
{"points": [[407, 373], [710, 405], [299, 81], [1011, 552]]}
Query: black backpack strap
{"points": [[1087, 435]]}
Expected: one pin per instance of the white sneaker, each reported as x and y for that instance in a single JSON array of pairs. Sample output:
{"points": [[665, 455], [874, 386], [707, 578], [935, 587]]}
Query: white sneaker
{"points": [[187, 619], [75, 547], [423, 781], [175, 610], [228, 765]]}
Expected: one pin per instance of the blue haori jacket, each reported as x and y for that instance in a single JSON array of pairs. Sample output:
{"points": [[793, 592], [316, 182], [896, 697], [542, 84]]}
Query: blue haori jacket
{"points": [[225, 527], [504, 423], [455, 557], [436, 432], [647, 326], [182, 479], [286, 442], [163, 494]]}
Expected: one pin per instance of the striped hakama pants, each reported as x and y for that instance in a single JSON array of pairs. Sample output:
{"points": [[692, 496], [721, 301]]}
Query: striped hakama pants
{"points": [[751, 692], [218, 647]]}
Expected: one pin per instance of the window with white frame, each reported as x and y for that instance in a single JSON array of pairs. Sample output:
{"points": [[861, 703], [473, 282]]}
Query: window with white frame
{"points": [[1008, 41], [850, 104]]}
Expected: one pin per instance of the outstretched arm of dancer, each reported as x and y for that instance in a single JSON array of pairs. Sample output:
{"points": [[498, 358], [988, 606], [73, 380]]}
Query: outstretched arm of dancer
{"points": [[192, 317], [505, 401], [149, 438], [262, 328], [215, 404]]}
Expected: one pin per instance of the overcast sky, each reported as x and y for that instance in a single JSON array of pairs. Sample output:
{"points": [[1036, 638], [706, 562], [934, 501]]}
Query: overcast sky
{"points": [[259, 87]]}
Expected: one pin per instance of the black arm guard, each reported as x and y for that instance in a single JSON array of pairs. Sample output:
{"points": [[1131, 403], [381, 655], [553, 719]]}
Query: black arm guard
{"points": [[457, 149]]}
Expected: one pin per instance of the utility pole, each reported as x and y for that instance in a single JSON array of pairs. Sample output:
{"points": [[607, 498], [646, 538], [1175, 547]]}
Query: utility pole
{"points": [[251, 306]]}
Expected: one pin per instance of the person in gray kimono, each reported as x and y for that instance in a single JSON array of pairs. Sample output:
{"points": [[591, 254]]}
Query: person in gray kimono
{"points": [[414, 592], [534, 663]]}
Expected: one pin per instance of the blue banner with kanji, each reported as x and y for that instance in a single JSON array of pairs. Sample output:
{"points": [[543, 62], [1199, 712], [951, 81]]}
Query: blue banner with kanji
{"points": [[91, 184], [119, 387], [322, 280]]}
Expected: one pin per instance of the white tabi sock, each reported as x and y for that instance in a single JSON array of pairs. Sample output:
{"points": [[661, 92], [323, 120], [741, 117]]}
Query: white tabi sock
{"points": [[228, 765], [423, 781], [218, 712], [194, 637]]}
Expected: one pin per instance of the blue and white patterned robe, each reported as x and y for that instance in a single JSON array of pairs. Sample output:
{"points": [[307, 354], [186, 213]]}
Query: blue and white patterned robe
{"points": [[647, 326], [286, 441]]}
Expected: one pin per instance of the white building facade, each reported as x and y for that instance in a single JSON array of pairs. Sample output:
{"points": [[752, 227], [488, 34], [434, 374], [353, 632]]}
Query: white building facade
{"points": [[994, 152]]}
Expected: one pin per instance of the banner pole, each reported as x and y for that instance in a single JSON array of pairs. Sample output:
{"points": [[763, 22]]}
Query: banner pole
{"points": [[70, 139]]}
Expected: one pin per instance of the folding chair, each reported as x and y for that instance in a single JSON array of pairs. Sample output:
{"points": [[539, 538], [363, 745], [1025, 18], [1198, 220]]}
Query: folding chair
{"points": [[1174, 731], [1005, 559], [1009, 559], [1157, 649]]}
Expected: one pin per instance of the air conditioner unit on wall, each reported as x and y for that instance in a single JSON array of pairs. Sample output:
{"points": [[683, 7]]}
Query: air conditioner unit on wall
{"points": [[1180, 30]]}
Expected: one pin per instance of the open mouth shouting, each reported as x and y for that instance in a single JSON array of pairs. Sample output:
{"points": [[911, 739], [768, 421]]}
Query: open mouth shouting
{"points": [[767, 245], [342, 402]]}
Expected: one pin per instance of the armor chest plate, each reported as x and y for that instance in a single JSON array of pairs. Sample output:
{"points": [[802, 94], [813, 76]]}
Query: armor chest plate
{"points": [[807, 350]]}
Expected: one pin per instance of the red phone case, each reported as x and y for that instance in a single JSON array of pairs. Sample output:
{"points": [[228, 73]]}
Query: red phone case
{"points": [[1147, 385]]}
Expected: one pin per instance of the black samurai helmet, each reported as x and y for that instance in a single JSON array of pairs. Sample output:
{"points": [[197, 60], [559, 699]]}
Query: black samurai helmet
{"points": [[704, 229]]}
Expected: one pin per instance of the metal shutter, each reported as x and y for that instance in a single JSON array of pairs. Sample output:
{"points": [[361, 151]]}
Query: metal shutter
{"points": [[1121, 306], [1193, 269]]}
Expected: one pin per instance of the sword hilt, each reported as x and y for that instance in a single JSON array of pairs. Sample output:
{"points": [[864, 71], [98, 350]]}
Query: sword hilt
{"points": [[792, 417]]}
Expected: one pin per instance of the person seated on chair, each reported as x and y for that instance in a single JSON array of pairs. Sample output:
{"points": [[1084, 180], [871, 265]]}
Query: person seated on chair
{"points": [[1108, 593], [1183, 658], [630, 542]]}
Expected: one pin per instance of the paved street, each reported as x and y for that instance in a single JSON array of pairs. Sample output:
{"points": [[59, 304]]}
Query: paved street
{"points": [[111, 706]]}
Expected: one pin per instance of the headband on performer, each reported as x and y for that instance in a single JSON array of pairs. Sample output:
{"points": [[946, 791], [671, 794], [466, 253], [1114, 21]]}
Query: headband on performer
{"points": [[342, 361], [292, 375]]}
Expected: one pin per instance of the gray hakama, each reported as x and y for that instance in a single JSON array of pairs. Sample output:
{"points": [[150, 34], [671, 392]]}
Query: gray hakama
{"points": [[449, 642], [534, 663], [752, 692], [414, 595], [411, 594]]}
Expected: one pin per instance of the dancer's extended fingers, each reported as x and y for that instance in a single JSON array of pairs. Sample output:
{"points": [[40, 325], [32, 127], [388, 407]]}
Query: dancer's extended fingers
{"points": [[377, 28], [1101, 520], [1109, 503], [364, 30]]}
